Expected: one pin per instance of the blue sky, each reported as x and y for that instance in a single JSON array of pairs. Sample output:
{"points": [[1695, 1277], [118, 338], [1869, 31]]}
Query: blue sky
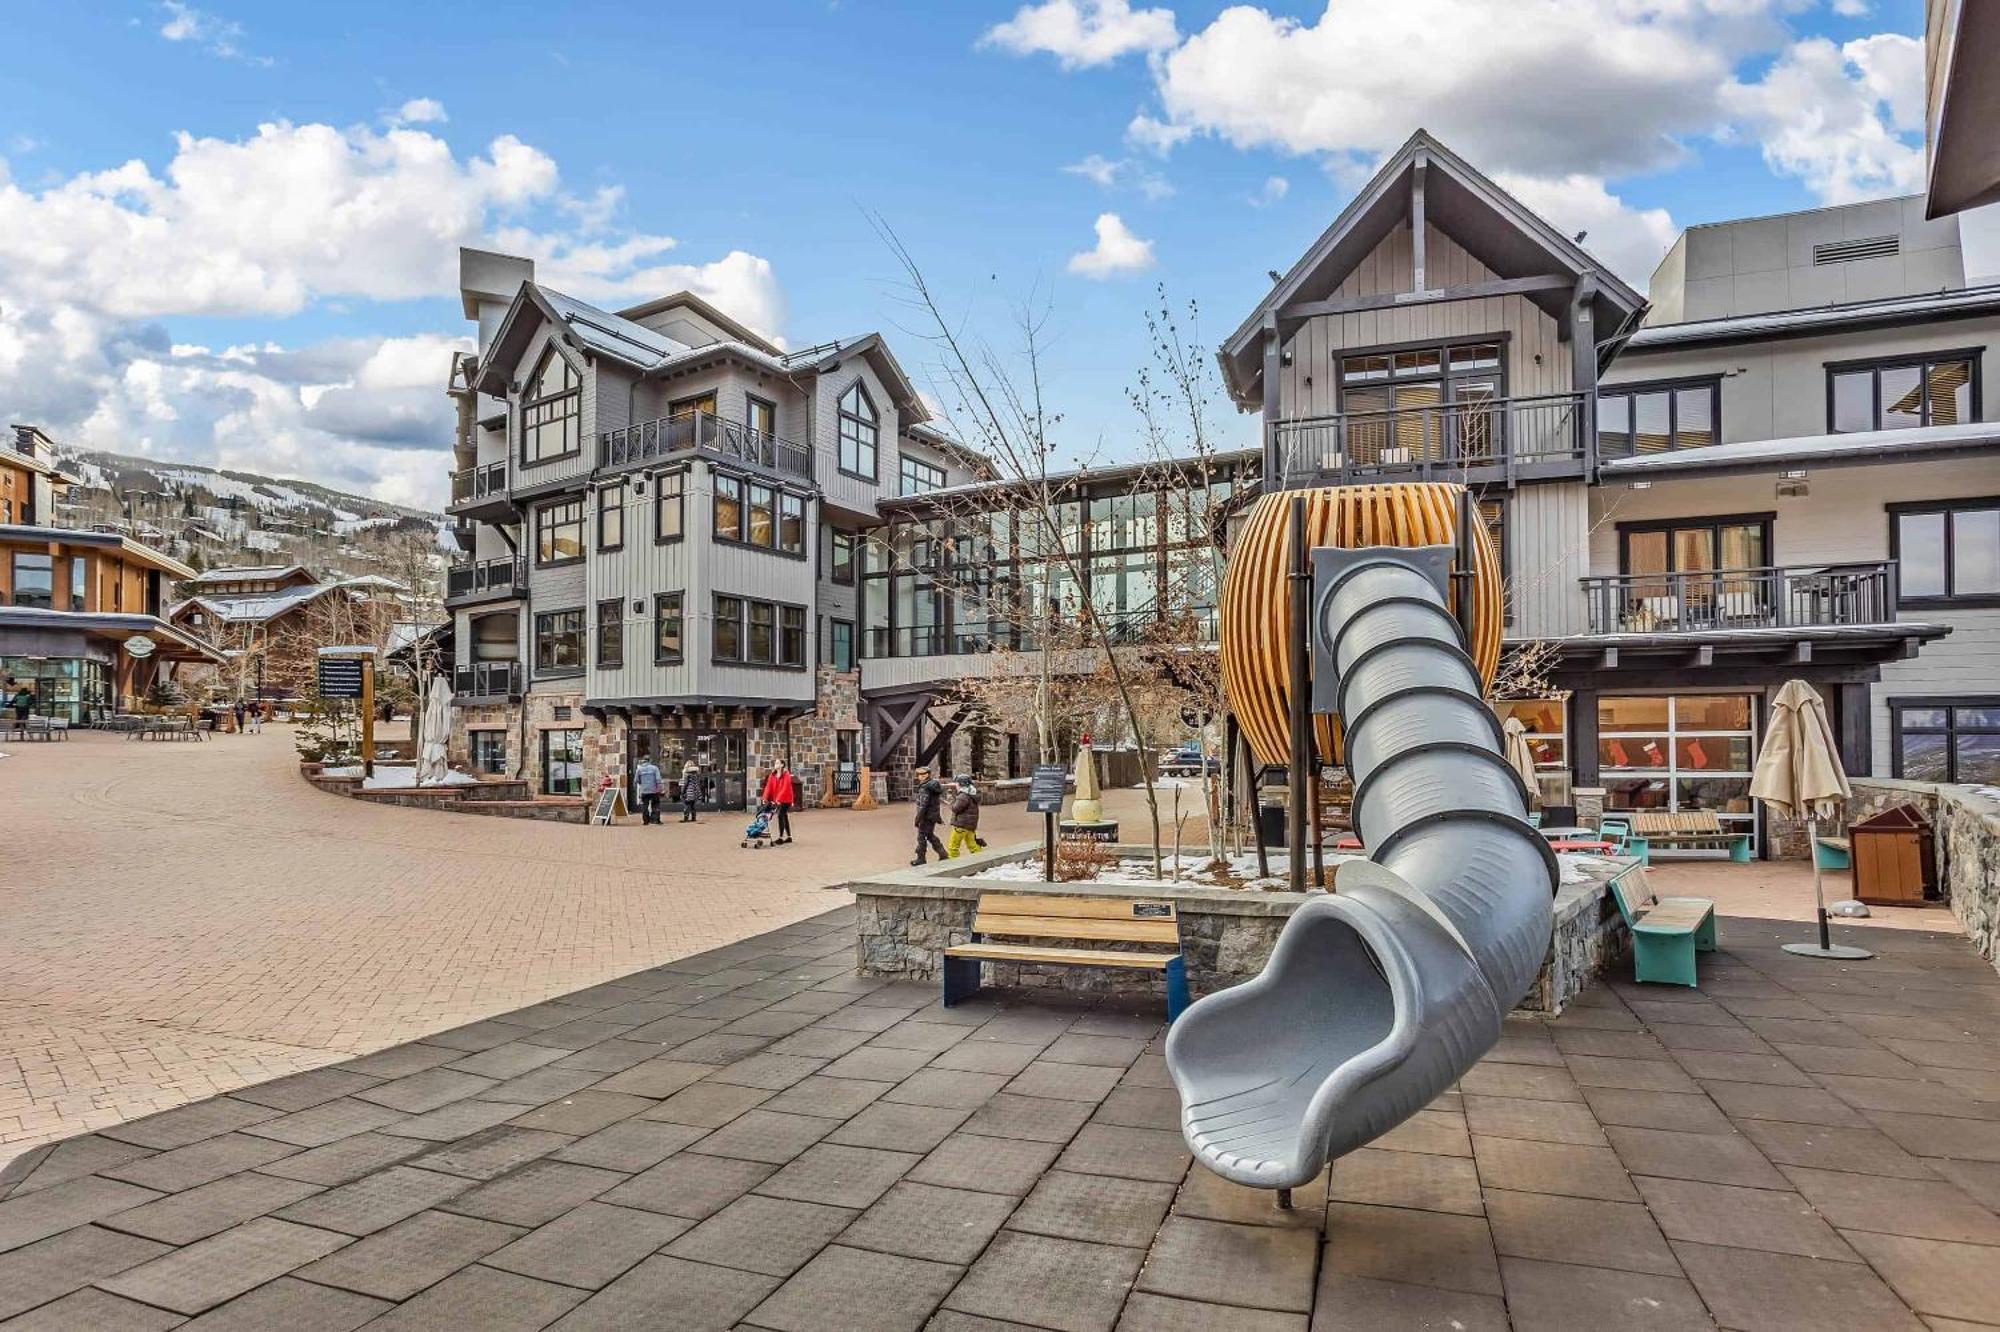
{"points": [[269, 283]]}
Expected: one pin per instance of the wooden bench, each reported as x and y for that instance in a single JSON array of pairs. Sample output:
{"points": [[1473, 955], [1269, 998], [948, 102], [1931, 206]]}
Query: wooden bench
{"points": [[1047, 920], [1666, 932], [1833, 853], [1655, 829]]}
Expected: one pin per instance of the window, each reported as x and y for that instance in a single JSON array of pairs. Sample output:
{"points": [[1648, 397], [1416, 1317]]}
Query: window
{"points": [[760, 415], [763, 517], [918, 476], [728, 508], [1938, 389], [840, 644], [559, 532], [610, 634], [1947, 551], [1654, 418], [703, 403], [34, 580], [728, 628], [1946, 739], [562, 762], [1422, 404], [670, 506], [860, 432], [79, 581], [791, 524], [559, 642], [611, 517], [1679, 753], [489, 752], [1493, 517], [1547, 723], [840, 560], [666, 628], [761, 644], [1697, 571], [551, 411], [792, 636]]}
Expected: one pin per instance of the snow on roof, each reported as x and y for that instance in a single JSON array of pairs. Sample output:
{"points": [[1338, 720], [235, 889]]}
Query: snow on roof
{"points": [[1736, 328], [248, 572], [1853, 446], [635, 344]]}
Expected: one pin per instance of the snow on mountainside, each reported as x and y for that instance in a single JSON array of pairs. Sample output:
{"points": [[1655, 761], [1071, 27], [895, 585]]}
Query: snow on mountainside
{"points": [[212, 518]]}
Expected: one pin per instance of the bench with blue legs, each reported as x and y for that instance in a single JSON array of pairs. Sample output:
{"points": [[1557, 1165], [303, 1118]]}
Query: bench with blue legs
{"points": [[1833, 853], [1695, 830], [1043, 919], [1666, 931]]}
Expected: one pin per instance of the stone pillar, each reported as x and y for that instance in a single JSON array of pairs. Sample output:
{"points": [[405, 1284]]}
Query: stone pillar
{"points": [[1589, 801]]}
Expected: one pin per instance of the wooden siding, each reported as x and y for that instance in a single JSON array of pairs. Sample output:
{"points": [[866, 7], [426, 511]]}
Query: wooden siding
{"points": [[1308, 386], [1547, 538]]}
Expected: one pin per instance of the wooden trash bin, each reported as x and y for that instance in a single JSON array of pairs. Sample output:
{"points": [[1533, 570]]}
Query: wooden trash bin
{"points": [[1894, 861]]}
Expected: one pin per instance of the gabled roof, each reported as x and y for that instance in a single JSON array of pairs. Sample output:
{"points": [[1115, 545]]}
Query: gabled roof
{"points": [[741, 332], [1490, 224], [828, 356], [124, 545]]}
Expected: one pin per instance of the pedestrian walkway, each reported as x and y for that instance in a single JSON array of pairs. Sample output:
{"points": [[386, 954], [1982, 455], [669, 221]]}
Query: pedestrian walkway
{"points": [[756, 1138]]}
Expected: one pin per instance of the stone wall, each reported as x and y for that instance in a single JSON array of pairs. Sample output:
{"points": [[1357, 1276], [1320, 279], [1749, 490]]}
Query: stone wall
{"points": [[1965, 831]]}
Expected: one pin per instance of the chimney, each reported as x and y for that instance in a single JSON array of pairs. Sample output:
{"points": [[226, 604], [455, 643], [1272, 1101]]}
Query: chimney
{"points": [[24, 439]]}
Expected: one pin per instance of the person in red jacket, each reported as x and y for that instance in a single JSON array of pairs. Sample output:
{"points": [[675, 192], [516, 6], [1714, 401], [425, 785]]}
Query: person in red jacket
{"points": [[780, 792]]}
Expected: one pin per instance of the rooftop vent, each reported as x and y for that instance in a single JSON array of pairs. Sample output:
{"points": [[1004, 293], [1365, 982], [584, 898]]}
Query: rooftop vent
{"points": [[1853, 251]]}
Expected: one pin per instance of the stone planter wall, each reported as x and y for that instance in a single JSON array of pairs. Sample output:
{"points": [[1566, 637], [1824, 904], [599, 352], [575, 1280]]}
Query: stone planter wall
{"points": [[507, 798], [1965, 830], [905, 920]]}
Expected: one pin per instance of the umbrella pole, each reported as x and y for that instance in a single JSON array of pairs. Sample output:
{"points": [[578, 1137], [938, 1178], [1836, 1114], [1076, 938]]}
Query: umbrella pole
{"points": [[1819, 892]]}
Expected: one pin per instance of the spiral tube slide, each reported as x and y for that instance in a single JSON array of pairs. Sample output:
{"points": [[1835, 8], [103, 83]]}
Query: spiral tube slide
{"points": [[1381, 995]]}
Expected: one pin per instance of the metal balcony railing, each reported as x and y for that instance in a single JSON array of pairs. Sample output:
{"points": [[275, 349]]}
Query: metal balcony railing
{"points": [[1765, 598], [486, 680], [1124, 627], [707, 433], [479, 577], [1438, 441], [470, 484]]}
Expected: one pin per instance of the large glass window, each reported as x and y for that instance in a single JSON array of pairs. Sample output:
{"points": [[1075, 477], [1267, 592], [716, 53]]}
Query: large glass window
{"points": [[763, 530], [1547, 724], [559, 642], [840, 644], [670, 506], [791, 636], [79, 581], [840, 558], [860, 432], [1948, 551], [915, 476], [551, 411], [34, 580], [666, 628], [762, 642], [1946, 739], [1680, 753], [559, 532], [728, 508], [1940, 389], [562, 762], [1421, 404], [611, 516], [728, 628], [791, 523], [1700, 571], [489, 752], [760, 415], [1653, 418], [610, 634]]}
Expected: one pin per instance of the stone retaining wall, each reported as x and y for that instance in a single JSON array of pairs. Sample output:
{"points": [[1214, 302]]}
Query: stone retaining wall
{"points": [[1965, 831], [905, 920], [507, 798]]}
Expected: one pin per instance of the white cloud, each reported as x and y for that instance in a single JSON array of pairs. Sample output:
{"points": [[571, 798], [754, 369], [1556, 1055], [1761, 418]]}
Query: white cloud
{"points": [[1843, 119], [1273, 190], [1118, 252], [214, 34], [1631, 241], [1850, 8], [420, 111], [1156, 136], [1082, 33], [1113, 173]]}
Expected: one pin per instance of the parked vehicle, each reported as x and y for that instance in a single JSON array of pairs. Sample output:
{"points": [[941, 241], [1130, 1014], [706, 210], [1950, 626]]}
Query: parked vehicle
{"points": [[1187, 761]]}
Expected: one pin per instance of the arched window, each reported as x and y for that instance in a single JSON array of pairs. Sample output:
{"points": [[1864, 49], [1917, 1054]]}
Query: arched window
{"points": [[551, 411], [860, 432]]}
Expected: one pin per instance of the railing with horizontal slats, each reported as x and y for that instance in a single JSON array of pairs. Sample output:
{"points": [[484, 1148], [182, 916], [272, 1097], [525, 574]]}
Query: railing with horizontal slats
{"points": [[475, 577], [487, 679], [477, 483], [1761, 598]]}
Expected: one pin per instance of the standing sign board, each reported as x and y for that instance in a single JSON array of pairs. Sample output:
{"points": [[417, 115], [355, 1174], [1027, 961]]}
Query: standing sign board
{"points": [[1045, 797], [340, 677], [610, 803], [349, 672]]}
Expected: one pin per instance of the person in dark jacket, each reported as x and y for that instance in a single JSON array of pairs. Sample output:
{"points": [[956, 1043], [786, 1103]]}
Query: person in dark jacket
{"points": [[929, 796], [24, 703], [646, 780], [780, 793], [690, 791], [964, 819]]}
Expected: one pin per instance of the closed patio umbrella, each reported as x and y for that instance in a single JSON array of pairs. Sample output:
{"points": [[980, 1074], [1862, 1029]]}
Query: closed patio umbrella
{"points": [[1799, 776], [1521, 756], [431, 766]]}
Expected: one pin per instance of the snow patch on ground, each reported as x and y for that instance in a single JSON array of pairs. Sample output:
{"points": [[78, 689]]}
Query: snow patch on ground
{"points": [[389, 778], [1192, 871]]}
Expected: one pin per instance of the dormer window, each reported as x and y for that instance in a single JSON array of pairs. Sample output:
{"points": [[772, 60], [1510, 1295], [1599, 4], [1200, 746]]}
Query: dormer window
{"points": [[551, 411], [860, 432]]}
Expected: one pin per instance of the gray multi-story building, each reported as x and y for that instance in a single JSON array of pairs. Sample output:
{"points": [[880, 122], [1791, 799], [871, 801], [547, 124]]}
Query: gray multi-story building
{"points": [[662, 515]]}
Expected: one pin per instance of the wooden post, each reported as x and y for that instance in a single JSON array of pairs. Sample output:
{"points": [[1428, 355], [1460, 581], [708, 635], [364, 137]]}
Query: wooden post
{"points": [[368, 716], [1301, 581], [1318, 827]]}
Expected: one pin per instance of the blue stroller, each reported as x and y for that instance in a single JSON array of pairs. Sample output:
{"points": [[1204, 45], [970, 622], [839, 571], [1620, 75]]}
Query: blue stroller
{"points": [[757, 835]]}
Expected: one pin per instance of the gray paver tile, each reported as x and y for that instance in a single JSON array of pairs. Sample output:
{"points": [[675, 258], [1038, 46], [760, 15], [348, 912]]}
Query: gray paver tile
{"points": [[506, 1061], [1748, 1289], [483, 1298], [191, 1123], [34, 1216], [1939, 1278], [376, 1200], [541, 1086], [1797, 1105], [49, 1268], [988, 1057], [346, 1160], [1631, 1074], [717, 1048], [400, 1060], [819, 1042], [839, 1176], [1601, 1234], [1129, 1153], [689, 1184], [1036, 1118], [708, 1104], [584, 1112], [856, 1290], [1709, 1157], [1528, 1081], [426, 1090], [1407, 1179], [827, 1096], [328, 1122], [1550, 1167], [1140, 1107], [1259, 1267], [200, 1162], [1680, 1112], [925, 1221], [70, 1159], [1362, 1304], [996, 1165], [1556, 1297], [396, 1263], [773, 1072], [1157, 1313], [1095, 1208], [905, 1128], [657, 1078], [1116, 1052], [1920, 1208], [613, 1056], [539, 1191], [1046, 1077], [774, 1236], [1860, 1151], [302, 1091], [1206, 1194], [1534, 1121], [762, 1135], [1056, 1283], [589, 1246], [664, 1294], [631, 1146], [196, 1213], [1729, 1066], [221, 1267], [461, 1119], [94, 1311], [293, 1306], [947, 1087], [1742, 1218], [492, 1152], [1941, 1135]]}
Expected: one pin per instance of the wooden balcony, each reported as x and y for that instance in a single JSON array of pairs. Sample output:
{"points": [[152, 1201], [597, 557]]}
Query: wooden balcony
{"points": [[703, 432], [1825, 596], [470, 581], [1484, 441]]}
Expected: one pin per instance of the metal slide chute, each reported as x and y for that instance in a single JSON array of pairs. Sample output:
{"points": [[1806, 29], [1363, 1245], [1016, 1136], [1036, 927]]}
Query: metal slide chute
{"points": [[1380, 996]]}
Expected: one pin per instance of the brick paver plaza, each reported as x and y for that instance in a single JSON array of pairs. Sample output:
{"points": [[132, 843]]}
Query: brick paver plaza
{"points": [[751, 1136]]}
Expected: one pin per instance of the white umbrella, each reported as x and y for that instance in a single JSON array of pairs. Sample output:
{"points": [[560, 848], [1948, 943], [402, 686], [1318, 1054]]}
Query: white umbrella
{"points": [[431, 765], [1799, 775], [1521, 755]]}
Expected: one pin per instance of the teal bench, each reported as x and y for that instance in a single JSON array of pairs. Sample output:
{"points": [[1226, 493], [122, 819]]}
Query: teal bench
{"points": [[1832, 853], [1666, 932]]}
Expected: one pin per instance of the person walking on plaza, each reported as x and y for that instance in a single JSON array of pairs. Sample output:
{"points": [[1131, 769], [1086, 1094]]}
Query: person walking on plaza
{"points": [[690, 791], [24, 703], [257, 717], [964, 819], [647, 782], [242, 715], [779, 792], [930, 803]]}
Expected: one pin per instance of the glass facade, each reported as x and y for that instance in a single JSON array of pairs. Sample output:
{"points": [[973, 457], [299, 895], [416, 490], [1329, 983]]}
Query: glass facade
{"points": [[1679, 752], [73, 689]]}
